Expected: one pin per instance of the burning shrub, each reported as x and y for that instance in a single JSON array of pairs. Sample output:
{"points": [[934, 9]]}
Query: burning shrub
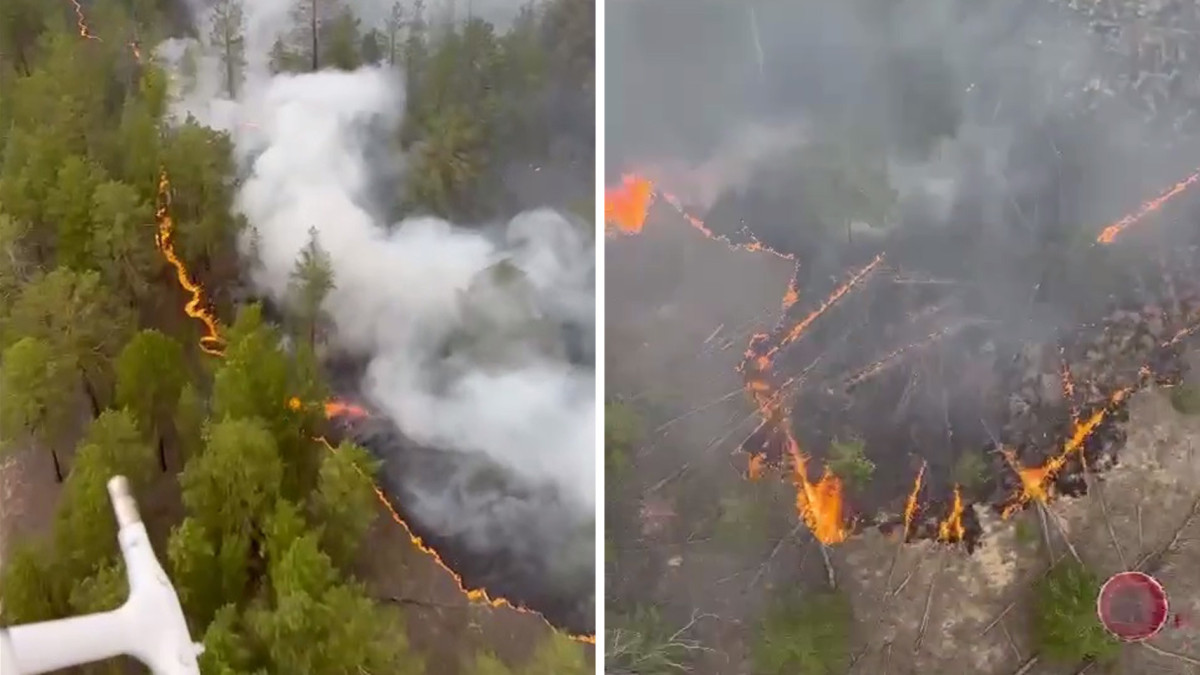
{"points": [[1065, 622], [806, 636]]}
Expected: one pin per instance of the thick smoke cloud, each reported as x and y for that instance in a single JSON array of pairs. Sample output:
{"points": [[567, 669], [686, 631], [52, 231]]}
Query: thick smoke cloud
{"points": [[461, 328], [957, 91]]}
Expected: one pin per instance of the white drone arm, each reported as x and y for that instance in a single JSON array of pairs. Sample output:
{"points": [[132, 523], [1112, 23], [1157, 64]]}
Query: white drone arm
{"points": [[149, 626]]}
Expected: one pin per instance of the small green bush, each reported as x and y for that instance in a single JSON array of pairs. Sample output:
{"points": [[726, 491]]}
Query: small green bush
{"points": [[848, 461], [1064, 616], [807, 635], [622, 431], [1185, 398], [970, 471]]}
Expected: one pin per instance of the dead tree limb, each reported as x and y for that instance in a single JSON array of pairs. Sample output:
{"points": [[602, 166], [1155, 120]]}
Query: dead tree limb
{"points": [[775, 551], [1172, 655], [1027, 666], [928, 604], [1156, 557], [828, 566], [1094, 484]]}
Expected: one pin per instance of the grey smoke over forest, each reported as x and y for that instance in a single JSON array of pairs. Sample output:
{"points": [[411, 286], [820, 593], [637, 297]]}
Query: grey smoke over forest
{"points": [[460, 327], [988, 116]]}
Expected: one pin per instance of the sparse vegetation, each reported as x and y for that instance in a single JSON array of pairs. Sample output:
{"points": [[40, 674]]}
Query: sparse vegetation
{"points": [[640, 643], [805, 635], [1185, 398], [622, 430], [970, 471], [556, 655], [1064, 616], [848, 460], [746, 514]]}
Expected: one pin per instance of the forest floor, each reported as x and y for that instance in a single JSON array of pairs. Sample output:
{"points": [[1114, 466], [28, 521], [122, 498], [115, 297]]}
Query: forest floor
{"points": [[668, 290]]}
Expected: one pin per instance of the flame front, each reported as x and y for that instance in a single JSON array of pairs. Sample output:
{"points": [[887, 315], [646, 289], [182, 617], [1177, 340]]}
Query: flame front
{"points": [[912, 504], [1110, 233], [1035, 480], [627, 205], [81, 23], [473, 594], [819, 504], [340, 409], [211, 342], [951, 530]]}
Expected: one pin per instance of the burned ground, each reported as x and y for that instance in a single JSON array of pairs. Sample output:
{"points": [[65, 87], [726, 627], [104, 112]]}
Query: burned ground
{"points": [[673, 349]]}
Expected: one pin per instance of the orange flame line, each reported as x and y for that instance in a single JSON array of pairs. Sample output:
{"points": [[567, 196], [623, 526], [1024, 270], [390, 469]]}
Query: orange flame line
{"points": [[1035, 480], [1110, 233], [829, 302], [81, 23], [212, 342], [911, 504], [472, 594]]}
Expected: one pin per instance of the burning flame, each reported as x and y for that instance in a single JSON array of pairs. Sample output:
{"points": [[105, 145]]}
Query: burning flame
{"points": [[81, 23], [838, 293], [473, 594], [339, 409], [1111, 232], [911, 504], [212, 342], [1035, 480], [820, 504], [626, 205], [951, 529]]}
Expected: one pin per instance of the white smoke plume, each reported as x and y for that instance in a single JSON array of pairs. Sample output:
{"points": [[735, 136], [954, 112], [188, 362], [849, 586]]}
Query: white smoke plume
{"points": [[309, 144]]}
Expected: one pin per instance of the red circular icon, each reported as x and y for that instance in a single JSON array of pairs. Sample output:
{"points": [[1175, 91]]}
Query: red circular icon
{"points": [[1132, 606]]}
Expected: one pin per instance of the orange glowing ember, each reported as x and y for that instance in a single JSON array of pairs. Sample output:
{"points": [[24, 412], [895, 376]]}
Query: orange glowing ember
{"points": [[626, 206], [792, 295], [911, 504], [211, 342], [473, 594], [951, 529], [1110, 233], [756, 466]]}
